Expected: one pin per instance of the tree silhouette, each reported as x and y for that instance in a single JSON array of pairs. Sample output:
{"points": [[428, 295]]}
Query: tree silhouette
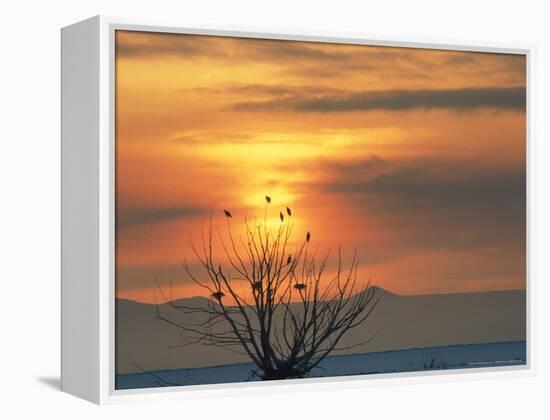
{"points": [[289, 316]]}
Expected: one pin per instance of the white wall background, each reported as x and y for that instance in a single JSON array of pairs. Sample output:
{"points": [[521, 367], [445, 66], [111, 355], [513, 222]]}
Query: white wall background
{"points": [[29, 208]]}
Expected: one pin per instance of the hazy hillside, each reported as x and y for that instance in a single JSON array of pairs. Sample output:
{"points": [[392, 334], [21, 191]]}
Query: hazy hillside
{"points": [[400, 322]]}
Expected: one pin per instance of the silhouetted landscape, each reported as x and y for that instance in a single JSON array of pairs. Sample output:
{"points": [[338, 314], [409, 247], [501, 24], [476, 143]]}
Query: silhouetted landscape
{"points": [[399, 323], [292, 209]]}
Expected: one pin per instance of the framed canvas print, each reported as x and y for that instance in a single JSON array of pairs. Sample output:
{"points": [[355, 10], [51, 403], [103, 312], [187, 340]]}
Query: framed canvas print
{"points": [[249, 209]]}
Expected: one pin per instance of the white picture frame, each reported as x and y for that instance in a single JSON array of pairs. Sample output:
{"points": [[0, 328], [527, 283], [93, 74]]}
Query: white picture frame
{"points": [[88, 211]]}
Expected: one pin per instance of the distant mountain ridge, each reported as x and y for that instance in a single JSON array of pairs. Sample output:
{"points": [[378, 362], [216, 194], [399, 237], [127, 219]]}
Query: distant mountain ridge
{"points": [[399, 322]]}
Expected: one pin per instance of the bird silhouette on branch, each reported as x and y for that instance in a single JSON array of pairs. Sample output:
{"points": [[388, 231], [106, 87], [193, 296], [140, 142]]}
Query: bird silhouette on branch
{"points": [[272, 299]]}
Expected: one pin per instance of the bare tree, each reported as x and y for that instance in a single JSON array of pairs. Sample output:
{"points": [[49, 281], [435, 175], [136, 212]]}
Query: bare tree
{"points": [[271, 303]]}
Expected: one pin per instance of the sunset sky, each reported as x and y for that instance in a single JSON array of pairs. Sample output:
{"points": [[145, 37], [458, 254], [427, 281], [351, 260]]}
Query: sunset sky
{"points": [[415, 157]]}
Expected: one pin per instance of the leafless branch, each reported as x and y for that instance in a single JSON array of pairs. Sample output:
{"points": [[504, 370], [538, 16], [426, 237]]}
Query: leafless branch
{"points": [[291, 318]]}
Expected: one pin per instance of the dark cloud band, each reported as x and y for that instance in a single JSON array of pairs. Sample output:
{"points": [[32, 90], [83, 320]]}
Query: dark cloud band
{"points": [[134, 216], [508, 98]]}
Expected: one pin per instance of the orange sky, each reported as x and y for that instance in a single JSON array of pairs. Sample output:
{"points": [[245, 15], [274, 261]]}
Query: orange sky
{"points": [[414, 157]]}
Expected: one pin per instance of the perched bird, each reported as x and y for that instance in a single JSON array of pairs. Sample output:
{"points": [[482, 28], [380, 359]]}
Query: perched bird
{"points": [[299, 286], [308, 236], [288, 211], [227, 214], [289, 259], [268, 199], [218, 295], [281, 216]]}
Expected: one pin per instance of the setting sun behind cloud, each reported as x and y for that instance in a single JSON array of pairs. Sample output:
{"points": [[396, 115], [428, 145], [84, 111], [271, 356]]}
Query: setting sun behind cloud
{"points": [[414, 157]]}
